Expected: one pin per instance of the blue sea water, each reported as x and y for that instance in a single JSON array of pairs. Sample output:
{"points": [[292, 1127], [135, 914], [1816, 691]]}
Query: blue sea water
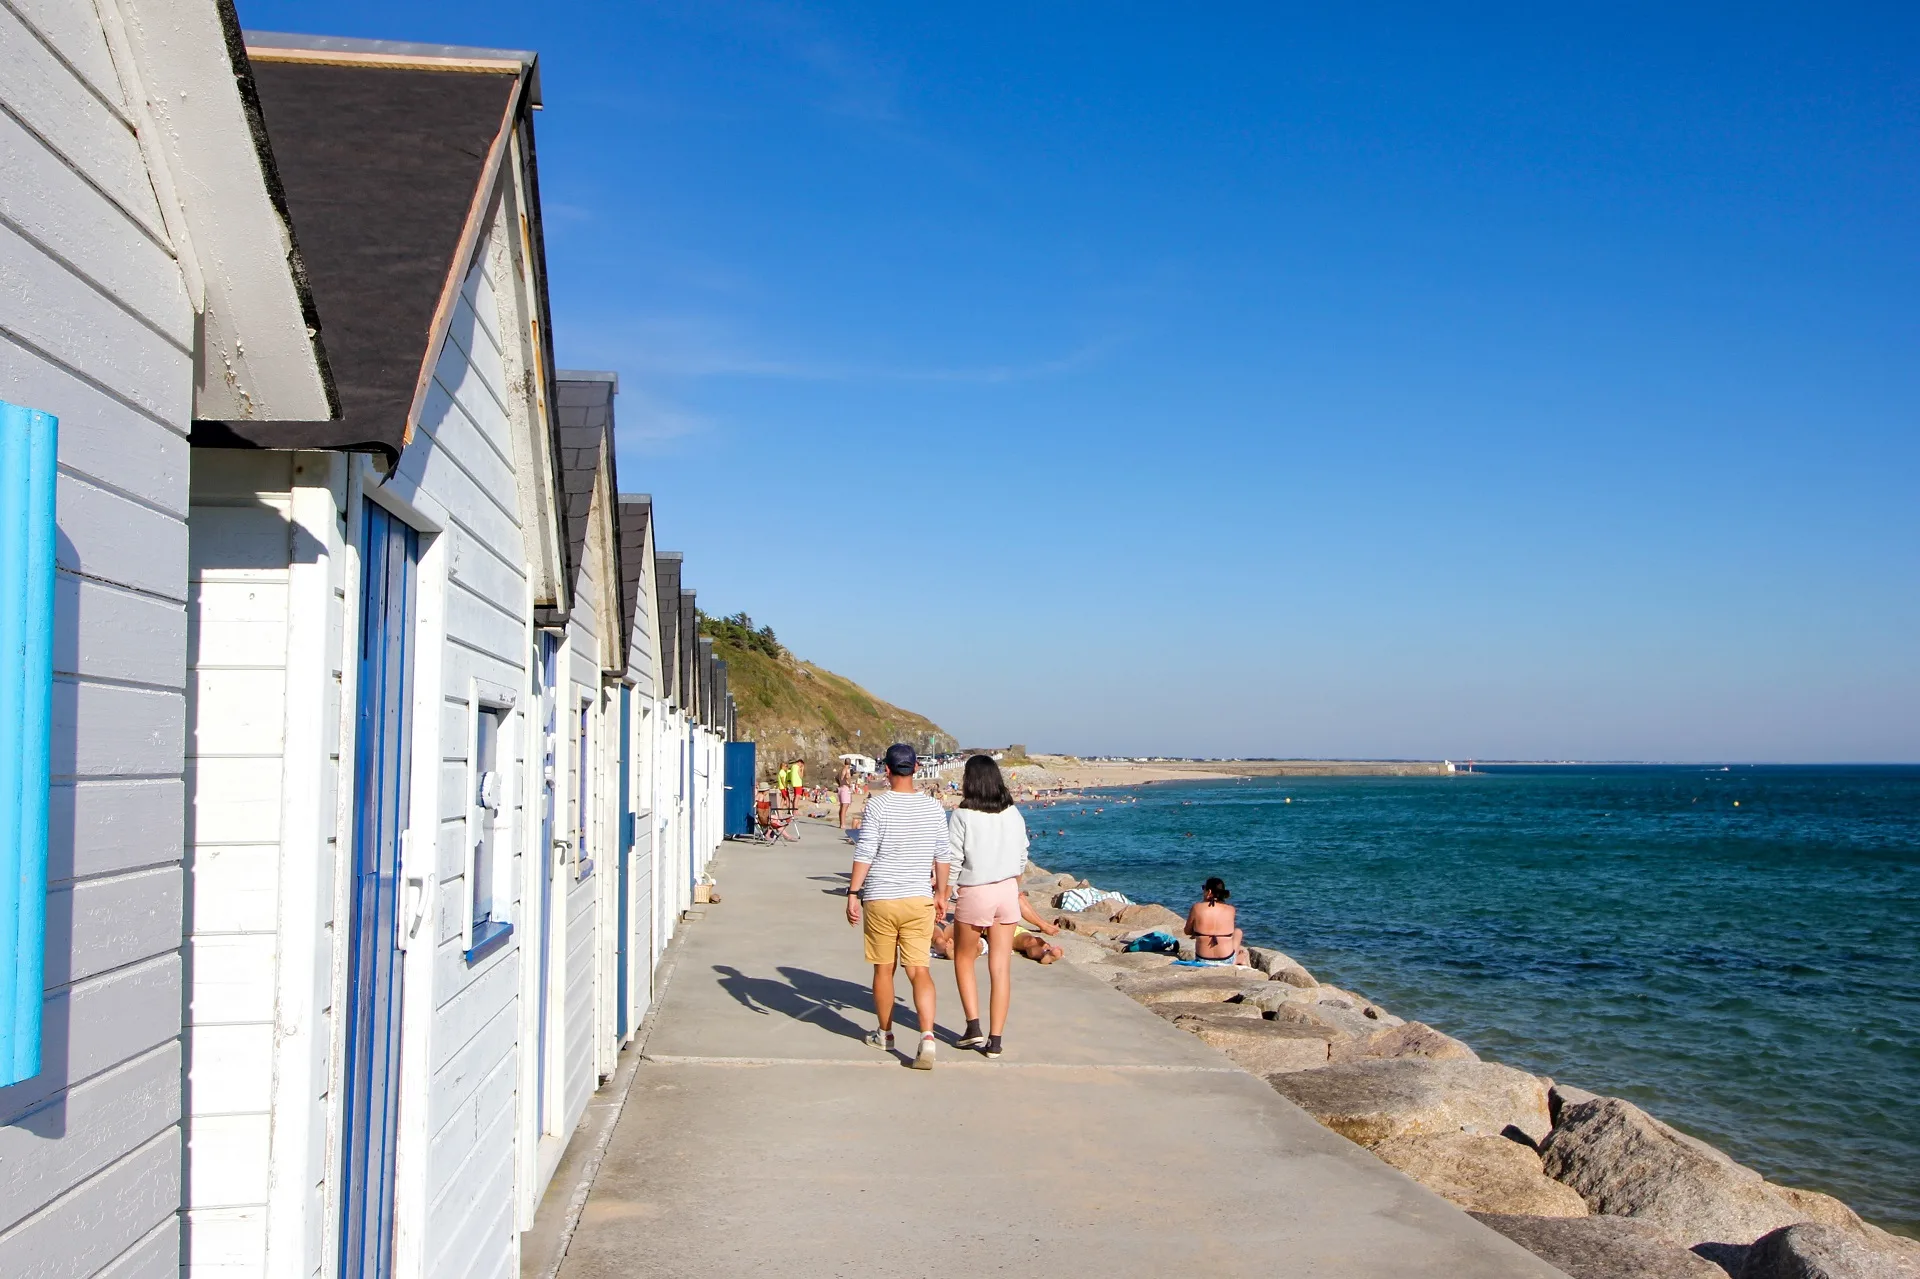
{"points": [[1733, 950]]}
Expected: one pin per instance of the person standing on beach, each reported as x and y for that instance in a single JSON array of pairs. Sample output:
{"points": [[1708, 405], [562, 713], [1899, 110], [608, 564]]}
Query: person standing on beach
{"points": [[899, 871], [989, 839], [846, 796]]}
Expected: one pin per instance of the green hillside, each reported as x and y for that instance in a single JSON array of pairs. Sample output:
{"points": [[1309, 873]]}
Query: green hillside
{"points": [[795, 709]]}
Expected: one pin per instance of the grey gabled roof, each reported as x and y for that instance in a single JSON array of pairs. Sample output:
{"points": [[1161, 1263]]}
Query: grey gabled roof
{"points": [[689, 651], [636, 512], [585, 412], [666, 582], [380, 164]]}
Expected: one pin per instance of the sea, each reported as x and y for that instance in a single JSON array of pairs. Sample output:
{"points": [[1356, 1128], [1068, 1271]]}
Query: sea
{"points": [[1736, 950]]}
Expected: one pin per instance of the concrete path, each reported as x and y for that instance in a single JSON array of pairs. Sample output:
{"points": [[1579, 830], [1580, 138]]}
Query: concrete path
{"points": [[761, 1136]]}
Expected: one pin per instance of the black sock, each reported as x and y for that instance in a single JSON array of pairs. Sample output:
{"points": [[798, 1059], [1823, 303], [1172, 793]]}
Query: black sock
{"points": [[973, 1028], [993, 1043]]}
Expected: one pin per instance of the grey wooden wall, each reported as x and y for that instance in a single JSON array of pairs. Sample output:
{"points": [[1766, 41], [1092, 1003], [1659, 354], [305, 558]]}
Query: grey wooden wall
{"points": [[96, 327]]}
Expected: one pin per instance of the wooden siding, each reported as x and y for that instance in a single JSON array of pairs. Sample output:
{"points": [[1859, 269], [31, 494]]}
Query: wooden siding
{"points": [[95, 327], [462, 458], [266, 654], [239, 584], [577, 1031], [642, 728]]}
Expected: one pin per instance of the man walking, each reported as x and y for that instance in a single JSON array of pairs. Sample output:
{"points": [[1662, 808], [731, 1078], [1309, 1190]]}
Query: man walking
{"points": [[899, 872]]}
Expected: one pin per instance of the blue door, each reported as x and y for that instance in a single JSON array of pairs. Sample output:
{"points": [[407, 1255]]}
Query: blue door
{"points": [[540, 866], [389, 554], [739, 784]]}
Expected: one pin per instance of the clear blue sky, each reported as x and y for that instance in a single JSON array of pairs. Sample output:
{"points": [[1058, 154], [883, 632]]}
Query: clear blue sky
{"points": [[1265, 379]]}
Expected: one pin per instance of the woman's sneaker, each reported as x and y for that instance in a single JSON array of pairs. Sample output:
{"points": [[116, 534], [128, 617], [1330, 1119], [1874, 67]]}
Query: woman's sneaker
{"points": [[973, 1038], [880, 1039], [925, 1060], [993, 1046]]}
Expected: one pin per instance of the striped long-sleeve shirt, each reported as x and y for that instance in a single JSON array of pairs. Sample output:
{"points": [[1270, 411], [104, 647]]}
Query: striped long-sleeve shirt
{"points": [[901, 836]]}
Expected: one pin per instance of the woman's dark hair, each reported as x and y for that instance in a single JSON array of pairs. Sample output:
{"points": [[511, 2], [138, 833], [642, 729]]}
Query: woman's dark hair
{"points": [[1216, 888], [982, 788]]}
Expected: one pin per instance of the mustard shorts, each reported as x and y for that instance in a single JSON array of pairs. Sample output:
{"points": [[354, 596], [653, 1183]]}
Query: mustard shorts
{"points": [[899, 926]]}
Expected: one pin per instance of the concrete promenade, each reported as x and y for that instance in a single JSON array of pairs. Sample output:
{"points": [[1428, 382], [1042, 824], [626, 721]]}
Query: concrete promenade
{"points": [[761, 1136]]}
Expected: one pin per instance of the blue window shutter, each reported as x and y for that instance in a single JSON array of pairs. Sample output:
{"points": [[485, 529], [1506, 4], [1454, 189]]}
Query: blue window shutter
{"points": [[27, 454]]}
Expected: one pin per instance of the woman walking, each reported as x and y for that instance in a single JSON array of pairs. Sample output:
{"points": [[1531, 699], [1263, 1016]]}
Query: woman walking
{"points": [[845, 785], [989, 841]]}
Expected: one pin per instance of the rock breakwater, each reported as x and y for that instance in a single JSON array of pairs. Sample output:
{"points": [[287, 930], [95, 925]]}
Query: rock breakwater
{"points": [[1590, 1183]]}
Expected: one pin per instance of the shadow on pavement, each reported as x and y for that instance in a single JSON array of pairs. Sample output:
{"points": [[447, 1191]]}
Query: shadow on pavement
{"points": [[805, 995]]}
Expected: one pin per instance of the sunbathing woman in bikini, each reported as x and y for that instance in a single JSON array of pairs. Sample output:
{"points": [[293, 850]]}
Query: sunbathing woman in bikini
{"points": [[1216, 937]]}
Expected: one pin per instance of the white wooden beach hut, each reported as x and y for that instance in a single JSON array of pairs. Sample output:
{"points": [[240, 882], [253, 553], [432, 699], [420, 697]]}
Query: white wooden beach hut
{"points": [[148, 276], [641, 936], [671, 892], [380, 1075], [595, 663]]}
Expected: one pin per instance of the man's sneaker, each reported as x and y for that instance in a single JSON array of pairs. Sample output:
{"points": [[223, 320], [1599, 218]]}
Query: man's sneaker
{"points": [[993, 1046], [973, 1038], [925, 1060], [880, 1039]]}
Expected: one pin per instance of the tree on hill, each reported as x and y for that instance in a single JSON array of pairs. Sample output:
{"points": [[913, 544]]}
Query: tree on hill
{"points": [[793, 708], [740, 632]]}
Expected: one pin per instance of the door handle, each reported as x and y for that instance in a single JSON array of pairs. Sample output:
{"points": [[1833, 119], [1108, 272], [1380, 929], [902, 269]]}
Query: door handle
{"points": [[417, 886], [416, 908]]}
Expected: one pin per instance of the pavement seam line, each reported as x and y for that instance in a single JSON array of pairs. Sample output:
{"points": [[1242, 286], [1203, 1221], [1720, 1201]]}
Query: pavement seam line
{"points": [[670, 1060]]}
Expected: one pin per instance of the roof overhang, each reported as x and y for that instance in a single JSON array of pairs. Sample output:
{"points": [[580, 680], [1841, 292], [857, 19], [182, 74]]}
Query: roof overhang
{"points": [[259, 356]]}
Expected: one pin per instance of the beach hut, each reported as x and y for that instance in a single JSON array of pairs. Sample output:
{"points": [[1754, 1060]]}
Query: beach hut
{"points": [[670, 767], [596, 640], [386, 869], [640, 936], [148, 276]]}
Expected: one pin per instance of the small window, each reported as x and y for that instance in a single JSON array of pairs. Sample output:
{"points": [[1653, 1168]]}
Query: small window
{"points": [[583, 859], [487, 830]]}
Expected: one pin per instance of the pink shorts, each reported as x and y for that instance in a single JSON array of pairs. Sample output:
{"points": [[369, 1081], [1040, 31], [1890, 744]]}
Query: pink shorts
{"points": [[984, 904]]}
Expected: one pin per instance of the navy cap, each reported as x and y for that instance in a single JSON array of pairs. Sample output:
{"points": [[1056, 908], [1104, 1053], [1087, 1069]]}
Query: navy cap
{"points": [[901, 761]]}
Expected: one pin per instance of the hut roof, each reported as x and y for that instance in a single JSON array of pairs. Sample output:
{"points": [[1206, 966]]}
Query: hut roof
{"points": [[388, 155]]}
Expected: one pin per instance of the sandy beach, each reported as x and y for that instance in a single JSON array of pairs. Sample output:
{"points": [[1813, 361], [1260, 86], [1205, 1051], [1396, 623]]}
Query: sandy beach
{"points": [[1076, 773]]}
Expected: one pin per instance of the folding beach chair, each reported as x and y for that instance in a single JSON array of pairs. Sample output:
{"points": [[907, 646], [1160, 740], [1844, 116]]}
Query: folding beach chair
{"points": [[770, 824]]}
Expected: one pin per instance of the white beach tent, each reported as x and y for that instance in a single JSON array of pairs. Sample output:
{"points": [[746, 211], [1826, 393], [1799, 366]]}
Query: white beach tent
{"points": [[862, 764]]}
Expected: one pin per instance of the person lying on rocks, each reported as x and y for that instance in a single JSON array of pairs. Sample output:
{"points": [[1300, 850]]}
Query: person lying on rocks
{"points": [[1027, 942], [943, 935], [1216, 937], [1033, 947]]}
